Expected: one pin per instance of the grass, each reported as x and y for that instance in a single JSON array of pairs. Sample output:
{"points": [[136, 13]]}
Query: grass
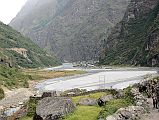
{"points": [[89, 112], [40, 75], [93, 95], [16, 78], [95, 112], [13, 78], [26, 118], [112, 106], [85, 113]]}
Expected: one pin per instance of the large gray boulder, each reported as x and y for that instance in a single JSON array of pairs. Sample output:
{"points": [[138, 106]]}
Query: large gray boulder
{"points": [[53, 108], [87, 101]]}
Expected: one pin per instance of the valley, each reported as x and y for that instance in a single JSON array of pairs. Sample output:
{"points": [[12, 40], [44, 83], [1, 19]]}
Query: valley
{"points": [[80, 60]]}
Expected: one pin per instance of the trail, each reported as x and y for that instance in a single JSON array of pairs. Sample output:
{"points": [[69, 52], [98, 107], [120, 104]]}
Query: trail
{"points": [[154, 113]]}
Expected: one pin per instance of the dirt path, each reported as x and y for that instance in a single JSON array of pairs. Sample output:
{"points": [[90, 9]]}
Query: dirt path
{"points": [[154, 113], [15, 97]]}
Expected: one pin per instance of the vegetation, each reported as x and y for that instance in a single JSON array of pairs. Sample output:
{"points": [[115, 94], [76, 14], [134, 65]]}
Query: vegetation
{"points": [[13, 78], [31, 105], [95, 112], [85, 113], [93, 95], [2, 95], [34, 56], [42, 74], [113, 105], [135, 35]]}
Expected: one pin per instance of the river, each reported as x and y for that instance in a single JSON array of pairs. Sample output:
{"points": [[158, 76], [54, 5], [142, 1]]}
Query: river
{"points": [[117, 78]]}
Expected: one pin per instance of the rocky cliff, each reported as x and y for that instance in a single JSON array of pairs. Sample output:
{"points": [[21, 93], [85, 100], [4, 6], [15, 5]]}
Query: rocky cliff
{"points": [[18, 51], [135, 40], [73, 30]]}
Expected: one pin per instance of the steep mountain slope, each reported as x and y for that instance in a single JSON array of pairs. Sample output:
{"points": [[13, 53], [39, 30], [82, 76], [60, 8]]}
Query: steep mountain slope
{"points": [[135, 40], [18, 51], [73, 30]]}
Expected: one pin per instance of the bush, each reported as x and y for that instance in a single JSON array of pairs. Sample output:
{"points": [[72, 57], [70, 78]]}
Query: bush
{"points": [[2, 95]]}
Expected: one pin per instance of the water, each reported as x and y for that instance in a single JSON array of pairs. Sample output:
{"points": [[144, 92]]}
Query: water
{"points": [[11, 111], [64, 66]]}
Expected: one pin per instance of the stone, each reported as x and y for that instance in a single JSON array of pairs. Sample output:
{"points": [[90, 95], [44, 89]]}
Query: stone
{"points": [[107, 98], [111, 118], [87, 101], [120, 94], [128, 113], [53, 108]]}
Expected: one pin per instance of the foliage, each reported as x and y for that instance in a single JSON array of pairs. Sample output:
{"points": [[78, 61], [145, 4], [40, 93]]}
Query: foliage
{"points": [[31, 105], [36, 57], [13, 77], [113, 105], [129, 47], [2, 95], [85, 113], [93, 95]]}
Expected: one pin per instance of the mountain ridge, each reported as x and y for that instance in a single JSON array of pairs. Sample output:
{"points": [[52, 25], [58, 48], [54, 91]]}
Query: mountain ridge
{"points": [[134, 41], [72, 30]]}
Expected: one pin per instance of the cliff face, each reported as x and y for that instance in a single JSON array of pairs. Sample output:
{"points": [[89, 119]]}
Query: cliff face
{"points": [[71, 29], [135, 40], [18, 51]]}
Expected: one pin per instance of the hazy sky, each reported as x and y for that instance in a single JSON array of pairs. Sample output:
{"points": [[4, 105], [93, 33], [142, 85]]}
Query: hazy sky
{"points": [[9, 9]]}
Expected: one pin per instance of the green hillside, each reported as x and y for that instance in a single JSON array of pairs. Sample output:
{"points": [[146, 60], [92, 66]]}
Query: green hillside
{"points": [[18, 51], [134, 41]]}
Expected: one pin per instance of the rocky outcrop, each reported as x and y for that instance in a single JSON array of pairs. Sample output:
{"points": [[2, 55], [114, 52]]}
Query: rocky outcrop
{"points": [[140, 100], [53, 108], [21, 51], [129, 113], [87, 101], [132, 112], [134, 40], [71, 29]]}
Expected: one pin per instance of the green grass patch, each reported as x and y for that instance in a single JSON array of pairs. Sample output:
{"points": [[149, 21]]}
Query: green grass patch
{"points": [[112, 106], [26, 118], [85, 113], [93, 95]]}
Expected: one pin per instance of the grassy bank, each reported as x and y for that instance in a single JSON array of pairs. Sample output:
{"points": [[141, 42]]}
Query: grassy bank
{"points": [[42, 74], [16, 78]]}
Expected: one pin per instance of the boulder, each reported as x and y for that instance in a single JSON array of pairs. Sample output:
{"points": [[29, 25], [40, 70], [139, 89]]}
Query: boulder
{"points": [[107, 98], [120, 94], [87, 101], [53, 108], [128, 113]]}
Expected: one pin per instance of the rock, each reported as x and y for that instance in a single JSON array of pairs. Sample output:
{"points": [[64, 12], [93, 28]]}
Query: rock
{"points": [[107, 98], [120, 94], [128, 113], [49, 94], [87, 101], [53, 108], [111, 118]]}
